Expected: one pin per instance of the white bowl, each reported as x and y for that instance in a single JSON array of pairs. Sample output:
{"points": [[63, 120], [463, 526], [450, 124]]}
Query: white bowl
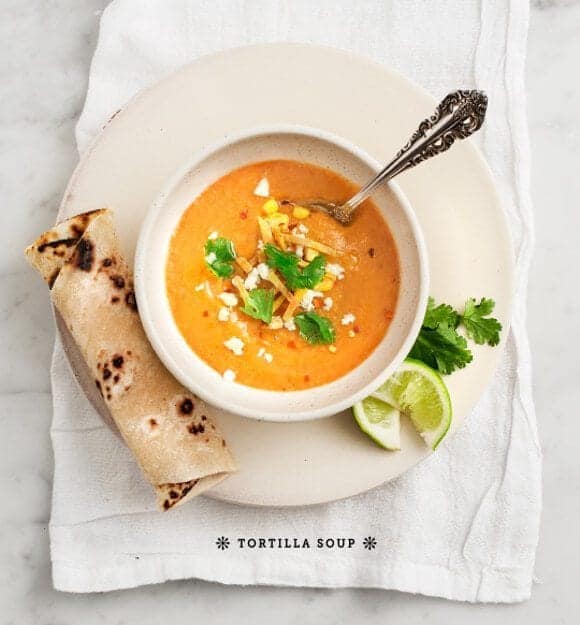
{"points": [[279, 142]]}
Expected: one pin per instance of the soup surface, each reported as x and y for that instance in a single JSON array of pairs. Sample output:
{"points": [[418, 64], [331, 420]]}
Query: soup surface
{"points": [[271, 295]]}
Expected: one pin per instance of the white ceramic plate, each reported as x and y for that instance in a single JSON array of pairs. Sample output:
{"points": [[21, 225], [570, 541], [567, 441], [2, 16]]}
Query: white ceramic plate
{"points": [[453, 195]]}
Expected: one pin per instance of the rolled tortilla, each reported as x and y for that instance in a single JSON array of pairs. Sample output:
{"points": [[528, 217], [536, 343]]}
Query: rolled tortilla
{"points": [[170, 431]]}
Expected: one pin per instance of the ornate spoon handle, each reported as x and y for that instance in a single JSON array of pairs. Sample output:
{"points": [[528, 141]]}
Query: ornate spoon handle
{"points": [[457, 116]]}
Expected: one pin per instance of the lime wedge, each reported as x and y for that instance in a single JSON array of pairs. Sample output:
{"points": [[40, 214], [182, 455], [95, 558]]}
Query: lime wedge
{"points": [[380, 421], [418, 392]]}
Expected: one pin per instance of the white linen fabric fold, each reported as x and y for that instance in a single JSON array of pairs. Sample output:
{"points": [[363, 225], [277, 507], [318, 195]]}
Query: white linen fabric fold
{"points": [[464, 523]]}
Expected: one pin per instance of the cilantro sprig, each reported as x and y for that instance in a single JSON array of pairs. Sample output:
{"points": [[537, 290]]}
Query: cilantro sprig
{"points": [[314, 328], [219, 256], [260, 304], [294, 276], [478, 325], [442, 347]]}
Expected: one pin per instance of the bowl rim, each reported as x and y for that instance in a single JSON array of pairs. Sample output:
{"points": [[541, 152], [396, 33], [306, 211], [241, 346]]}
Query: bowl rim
{"points": [[286, 414]]}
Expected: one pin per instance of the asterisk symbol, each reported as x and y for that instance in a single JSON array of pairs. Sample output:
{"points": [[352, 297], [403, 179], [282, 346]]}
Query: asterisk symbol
{"points": [[223, 543], [369, 543]]}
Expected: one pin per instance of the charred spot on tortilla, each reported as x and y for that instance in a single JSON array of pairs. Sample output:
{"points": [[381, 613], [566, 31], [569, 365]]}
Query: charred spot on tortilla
{"points": [[118, 361], [107, 262], [115, 299], [84, 255], [131, 301], [116, 378], [203, 417], [180, 491], [186, 406], [118, 281], [54, 245], [153, 423], [196, 429], [99, 387], [106, 372]]}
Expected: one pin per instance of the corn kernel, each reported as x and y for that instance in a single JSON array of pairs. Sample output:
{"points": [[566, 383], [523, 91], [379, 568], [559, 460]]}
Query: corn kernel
{"points": [[310, 254], [300, 212], [325, 285], [270, 207]]}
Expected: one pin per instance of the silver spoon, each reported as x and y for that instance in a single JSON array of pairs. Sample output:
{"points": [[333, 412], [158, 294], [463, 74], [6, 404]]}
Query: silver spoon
{"points": [[457, 116]]}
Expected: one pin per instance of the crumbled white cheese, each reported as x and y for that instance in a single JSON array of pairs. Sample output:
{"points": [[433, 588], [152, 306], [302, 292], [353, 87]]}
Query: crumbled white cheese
{"points": [[252, 279], [213, 236], [229, 375], [243, 327], [262, 188], [327, 303], [235, 345], [233, 316], [263, 271], [290, 325], [229, 299], [299, 251], [348, 319], [200, 287], [351, 334], [336, 270], [223, 314], [276, 323], [260, 244], [308, 298], [208, 290], [262, 353], [210, 258], [302, 229]]}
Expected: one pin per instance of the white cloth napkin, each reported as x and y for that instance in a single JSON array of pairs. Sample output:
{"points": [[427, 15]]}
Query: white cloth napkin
{"points": [[463, 524]]}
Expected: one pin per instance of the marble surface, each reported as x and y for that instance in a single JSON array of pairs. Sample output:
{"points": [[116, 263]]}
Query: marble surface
{"points": [[47, 47]]}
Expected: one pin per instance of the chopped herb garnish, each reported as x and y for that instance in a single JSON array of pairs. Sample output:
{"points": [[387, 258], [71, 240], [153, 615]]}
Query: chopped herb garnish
{"points": [[439, 343], [314, 328], [287, 264], [260, 304], [219, 256], [442, 348], [478, 326]]}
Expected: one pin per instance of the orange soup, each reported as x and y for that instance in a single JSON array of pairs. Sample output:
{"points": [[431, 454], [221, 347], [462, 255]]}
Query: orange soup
{"points": [[272, 295]]}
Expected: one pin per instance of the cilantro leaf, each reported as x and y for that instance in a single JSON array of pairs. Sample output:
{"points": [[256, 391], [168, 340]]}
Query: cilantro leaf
{"points": [[314, 328], [219, 256], [478, 325], [287, 264], [260, 304], [439, 343], [444, 313], [441, 348]]}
